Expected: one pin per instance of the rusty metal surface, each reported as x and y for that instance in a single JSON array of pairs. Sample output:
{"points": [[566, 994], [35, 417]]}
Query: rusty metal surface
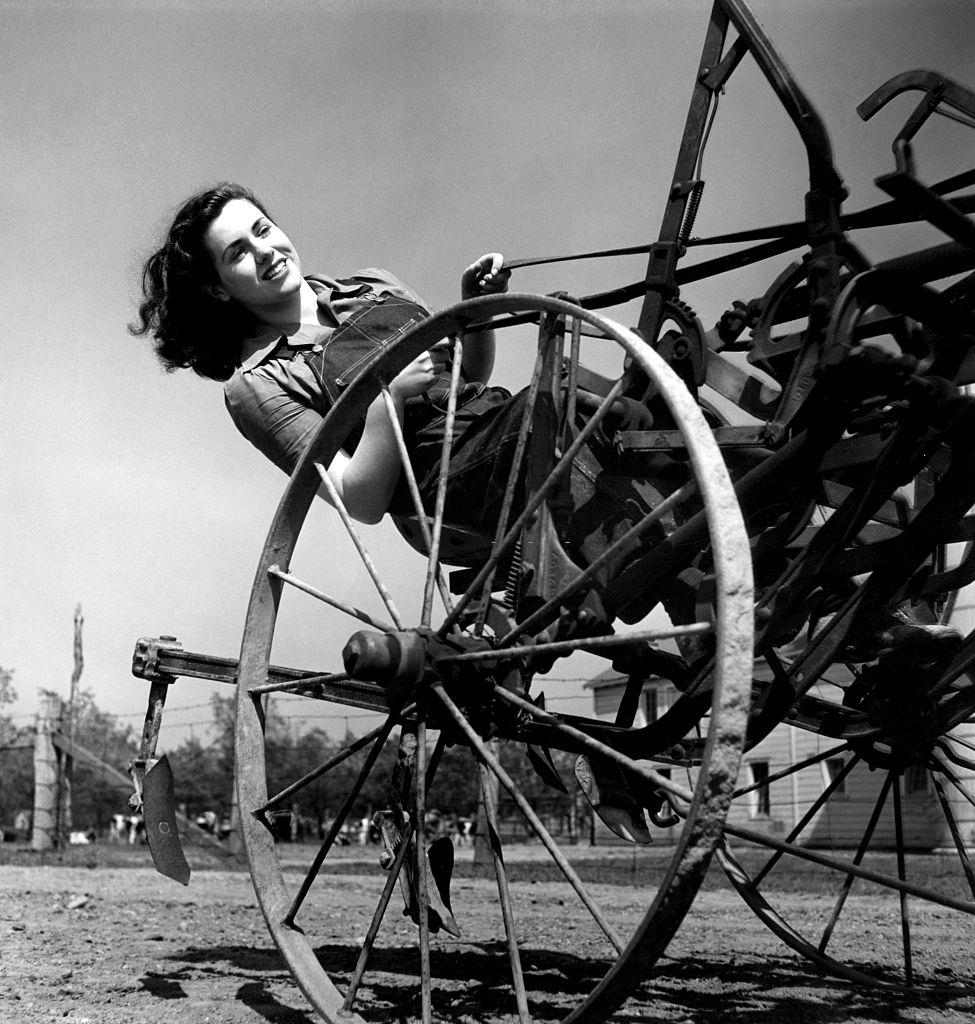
{"points": [[159, 657]]}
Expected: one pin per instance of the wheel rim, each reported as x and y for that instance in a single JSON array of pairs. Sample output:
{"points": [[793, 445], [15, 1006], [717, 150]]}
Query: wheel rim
{"points": [[713, 772]]}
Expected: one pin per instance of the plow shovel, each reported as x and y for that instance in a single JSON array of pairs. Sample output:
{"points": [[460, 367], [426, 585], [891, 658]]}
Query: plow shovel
{"points": [[159, 810]]}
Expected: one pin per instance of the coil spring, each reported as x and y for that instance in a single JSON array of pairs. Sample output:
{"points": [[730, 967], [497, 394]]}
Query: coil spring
{"points": [[690, 214], [511, 584]]}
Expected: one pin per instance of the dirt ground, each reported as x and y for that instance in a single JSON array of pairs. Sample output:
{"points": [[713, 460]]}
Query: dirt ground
{"points": [[90, 939]]}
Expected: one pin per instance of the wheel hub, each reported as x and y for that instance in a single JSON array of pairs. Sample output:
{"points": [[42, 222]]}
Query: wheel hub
{"points": [[405, 659]]}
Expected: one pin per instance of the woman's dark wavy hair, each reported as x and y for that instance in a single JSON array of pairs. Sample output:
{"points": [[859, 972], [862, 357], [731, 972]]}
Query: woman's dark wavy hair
{"points": [[190, 326]]}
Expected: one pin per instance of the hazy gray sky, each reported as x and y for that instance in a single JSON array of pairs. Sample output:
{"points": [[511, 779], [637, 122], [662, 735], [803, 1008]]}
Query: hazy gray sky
{"points": [[412, 135]]}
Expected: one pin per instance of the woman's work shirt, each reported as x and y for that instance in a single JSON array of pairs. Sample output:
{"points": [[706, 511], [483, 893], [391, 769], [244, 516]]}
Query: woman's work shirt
{"points": [[275, 397]]}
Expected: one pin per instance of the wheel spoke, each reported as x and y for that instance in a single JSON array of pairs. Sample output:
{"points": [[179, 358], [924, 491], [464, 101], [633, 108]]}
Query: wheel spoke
{"points": [[297, 685], [433, 566], [954, 756], [961, 742], [558, 471], [486, 757], [504, 895], [618, 548], [339, 821], [954, 780], [792, 769], [369, 941], [423, 880], [887, 881], [960, 665], [414, 489], [809, 815], [584, 643], [514, 471], [857, 859], [360, 547], [395, 869], [326, 766], [356, 613], [573, 378], [902, 876], [955, 833]]}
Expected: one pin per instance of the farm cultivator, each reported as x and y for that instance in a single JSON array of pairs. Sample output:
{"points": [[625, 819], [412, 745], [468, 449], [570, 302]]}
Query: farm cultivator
{"points": [[810, 467]]}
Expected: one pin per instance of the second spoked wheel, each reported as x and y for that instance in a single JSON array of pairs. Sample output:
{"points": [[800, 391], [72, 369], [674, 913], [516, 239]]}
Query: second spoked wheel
{"points": [[469, 668], [851, 832]]}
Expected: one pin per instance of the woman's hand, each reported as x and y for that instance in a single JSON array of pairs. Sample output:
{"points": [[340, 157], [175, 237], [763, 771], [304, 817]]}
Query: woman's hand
{"points": [[485, 276], [419, 376]]}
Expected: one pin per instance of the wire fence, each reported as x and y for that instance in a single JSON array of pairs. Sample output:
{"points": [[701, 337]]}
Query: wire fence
{"points": [[284, 708]]}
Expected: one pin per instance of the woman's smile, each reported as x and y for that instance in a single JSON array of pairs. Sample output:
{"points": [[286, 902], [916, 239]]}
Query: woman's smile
{"points": [[277, 268], [249, 252]]}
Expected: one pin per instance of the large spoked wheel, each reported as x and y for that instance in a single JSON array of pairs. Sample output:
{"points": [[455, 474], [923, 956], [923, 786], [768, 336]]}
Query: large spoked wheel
{"points": [[466, 674]]}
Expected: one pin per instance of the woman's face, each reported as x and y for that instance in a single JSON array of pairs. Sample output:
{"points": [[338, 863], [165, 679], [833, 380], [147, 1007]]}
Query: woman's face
{"points": [[255, 261]]}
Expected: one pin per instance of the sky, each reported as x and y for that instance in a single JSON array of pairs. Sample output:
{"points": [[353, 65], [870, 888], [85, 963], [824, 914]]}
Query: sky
{"points": [[412, 135]]}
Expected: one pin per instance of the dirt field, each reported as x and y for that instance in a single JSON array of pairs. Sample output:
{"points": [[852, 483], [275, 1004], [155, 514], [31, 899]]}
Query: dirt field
{"points": [[97, 938]]}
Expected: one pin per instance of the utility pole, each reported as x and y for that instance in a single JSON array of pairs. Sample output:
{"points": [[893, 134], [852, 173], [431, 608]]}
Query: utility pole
{"points": [[67, 762], [47, 774], [79, 664]]}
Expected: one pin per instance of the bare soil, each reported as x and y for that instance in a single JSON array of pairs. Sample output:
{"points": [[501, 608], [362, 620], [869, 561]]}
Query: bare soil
{"points": [[95, 935]]}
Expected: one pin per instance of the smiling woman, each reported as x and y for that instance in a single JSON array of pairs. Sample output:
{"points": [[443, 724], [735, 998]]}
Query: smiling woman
{"points": [[225, 296]]}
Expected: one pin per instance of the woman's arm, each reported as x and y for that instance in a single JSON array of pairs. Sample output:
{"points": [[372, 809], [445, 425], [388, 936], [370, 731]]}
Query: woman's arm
{"points": [[366, 480], [276, 422], [485, 276], [271, 407]]}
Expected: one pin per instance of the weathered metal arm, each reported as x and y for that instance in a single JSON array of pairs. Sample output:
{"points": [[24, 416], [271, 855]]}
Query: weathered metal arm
{"points": [[163, 656]]}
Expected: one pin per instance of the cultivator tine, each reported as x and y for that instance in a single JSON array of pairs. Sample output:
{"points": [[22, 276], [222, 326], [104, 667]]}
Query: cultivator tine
{"points": [[153, 779], [603, 784], [159, 811]]}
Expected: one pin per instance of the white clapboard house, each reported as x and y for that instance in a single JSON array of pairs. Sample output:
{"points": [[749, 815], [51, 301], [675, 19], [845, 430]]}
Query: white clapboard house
{"points": [[777, 806]]}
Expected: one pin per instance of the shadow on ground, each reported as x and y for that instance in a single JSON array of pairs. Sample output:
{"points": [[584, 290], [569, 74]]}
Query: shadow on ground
{"points": [[471, 983]]}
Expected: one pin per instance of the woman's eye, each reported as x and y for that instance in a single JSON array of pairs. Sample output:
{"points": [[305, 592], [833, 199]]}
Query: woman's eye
{"points": [[264, 229]]}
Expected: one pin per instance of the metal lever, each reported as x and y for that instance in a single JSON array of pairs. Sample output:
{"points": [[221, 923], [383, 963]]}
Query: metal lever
{"points": [[937, 88]]}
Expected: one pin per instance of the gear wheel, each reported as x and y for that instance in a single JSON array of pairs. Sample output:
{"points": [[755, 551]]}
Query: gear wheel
{"points": [[684, 348]]}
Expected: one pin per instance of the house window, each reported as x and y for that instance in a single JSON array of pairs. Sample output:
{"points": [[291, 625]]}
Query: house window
{"points": [[834, 768], [761, 796], [650, 704], [916, 779]]}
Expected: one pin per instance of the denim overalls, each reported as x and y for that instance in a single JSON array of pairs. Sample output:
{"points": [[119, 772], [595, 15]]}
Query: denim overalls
{"points": [[374, 328], [604, 503]]}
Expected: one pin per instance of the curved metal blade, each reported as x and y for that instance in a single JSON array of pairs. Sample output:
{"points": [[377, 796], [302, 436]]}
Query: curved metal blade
{"points": [[159, 810]]}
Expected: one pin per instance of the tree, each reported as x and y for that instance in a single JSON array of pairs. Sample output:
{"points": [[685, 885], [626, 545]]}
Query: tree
{"points": [[17, 792], [9, 734], [202, 778], [456, 786], [94, 796]]}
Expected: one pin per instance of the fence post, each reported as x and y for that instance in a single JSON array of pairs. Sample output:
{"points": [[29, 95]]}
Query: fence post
{"points": [[46, 774]]}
